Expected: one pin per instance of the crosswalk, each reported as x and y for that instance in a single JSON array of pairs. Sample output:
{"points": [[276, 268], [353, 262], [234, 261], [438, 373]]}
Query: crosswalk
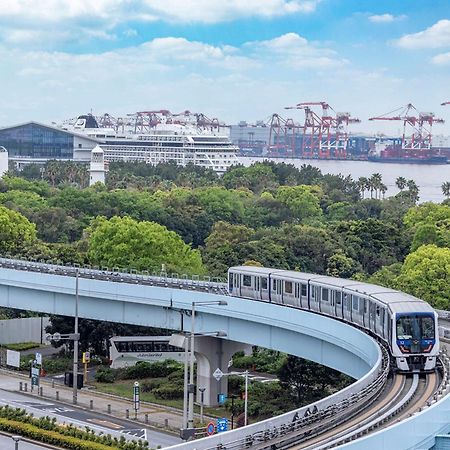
{"points": [[140, 433]]}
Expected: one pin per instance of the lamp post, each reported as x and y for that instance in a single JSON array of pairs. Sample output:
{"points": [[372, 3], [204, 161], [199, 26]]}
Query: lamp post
{"points": [[191, 387], [202, 392], [16, 440], [75, 343]]}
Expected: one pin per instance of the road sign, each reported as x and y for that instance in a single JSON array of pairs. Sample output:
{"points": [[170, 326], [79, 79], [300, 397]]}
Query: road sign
{"points": [[218, 374], [86, 357], [210, 429], [221, 398], [222, 425], [136, 395], [39, 359], [56, 337]]}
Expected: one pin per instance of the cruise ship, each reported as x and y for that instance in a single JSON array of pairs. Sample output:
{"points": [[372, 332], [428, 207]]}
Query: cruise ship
{"points": [[180, 142]]}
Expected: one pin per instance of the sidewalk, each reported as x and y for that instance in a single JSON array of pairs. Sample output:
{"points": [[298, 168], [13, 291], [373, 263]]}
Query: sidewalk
{"points": [[149, 414]]}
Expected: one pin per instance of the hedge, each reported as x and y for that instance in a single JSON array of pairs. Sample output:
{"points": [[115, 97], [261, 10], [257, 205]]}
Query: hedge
{"points": [[45, 429]]}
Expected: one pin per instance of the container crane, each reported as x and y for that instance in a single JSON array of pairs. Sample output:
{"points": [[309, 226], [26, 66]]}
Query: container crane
{"points": [[417, 128], [325, 135], [282, 136]]}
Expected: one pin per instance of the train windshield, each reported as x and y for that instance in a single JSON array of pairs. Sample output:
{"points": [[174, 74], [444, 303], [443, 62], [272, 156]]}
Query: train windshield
{"points": [[415, 327]]}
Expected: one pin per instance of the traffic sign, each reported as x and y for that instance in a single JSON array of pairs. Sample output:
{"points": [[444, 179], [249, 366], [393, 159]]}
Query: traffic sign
{"points": [[39, 359], [136, 395], [218, 374], [56, 337], [221, 399], [210, 429], [222, 425], [86, 357]]}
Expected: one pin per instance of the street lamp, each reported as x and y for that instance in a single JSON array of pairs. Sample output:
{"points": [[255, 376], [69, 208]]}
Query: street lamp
{"points": [[16, 440], [191, 387], [75, 343]]}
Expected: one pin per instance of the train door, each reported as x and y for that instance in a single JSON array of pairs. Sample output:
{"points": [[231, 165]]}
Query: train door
{"points": [[237, 284], [325, 304], [304, 296], [258, 288], [372, 316], [338, 301], [264, 291]]}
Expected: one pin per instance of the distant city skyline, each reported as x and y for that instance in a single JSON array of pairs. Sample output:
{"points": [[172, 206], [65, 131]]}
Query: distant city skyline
{"points": [[235, 60]]}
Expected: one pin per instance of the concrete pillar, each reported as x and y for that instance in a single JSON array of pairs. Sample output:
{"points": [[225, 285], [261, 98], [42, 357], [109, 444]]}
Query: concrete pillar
{"points": [[212, 353]]}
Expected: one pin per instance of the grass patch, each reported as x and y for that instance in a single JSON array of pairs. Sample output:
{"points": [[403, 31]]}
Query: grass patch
{"points": [[124, 388], [21, 346]]}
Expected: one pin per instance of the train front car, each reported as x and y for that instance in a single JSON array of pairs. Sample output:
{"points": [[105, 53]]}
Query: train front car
{"points": [[416, 341]]}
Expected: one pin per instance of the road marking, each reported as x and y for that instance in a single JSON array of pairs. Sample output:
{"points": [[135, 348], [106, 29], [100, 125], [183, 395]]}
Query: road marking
{"points": [[140, 433], [106, 423]]}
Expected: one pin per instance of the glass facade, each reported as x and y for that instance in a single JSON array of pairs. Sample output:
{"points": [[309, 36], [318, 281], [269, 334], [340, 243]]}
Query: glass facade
{"points": [[36, 141]]}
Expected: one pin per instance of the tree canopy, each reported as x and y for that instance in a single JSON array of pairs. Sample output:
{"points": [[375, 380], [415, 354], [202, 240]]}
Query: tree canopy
{"points": [[125, 242]]}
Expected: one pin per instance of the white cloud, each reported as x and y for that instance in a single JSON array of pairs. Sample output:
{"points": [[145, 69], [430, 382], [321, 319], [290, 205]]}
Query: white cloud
{"points": [[436, 36], [385, 18], [443, 59], [295, 51], [209, 11]]}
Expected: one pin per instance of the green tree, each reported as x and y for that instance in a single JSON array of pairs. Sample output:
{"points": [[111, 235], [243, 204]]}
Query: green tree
{"points": [[426, 274], [303, 201], [16, 231], [124, 242], [340, 265]]}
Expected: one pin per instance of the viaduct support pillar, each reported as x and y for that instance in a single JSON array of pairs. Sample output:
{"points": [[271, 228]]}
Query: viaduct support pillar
{"points": [[212, 353]]}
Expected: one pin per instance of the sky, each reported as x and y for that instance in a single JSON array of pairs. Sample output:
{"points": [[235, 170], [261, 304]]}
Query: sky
{"points": [[231, 59]]}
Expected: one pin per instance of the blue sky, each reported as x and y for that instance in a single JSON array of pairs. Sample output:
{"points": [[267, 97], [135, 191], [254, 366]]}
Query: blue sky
{"points": [[234, 59]]}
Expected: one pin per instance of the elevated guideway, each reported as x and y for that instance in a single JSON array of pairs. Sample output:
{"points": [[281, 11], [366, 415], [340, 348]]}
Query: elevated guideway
{"points": [[166, 302]]}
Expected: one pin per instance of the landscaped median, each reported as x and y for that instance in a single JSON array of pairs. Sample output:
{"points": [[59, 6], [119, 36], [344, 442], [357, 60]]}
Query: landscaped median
{"points": [[45, 429]]}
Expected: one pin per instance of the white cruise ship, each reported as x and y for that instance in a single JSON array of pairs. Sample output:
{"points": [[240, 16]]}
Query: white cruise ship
{"points": [[182, 143]]}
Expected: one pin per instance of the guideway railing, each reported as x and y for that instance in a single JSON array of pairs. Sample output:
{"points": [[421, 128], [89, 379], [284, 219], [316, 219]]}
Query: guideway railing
{"points": [[120, 274]]}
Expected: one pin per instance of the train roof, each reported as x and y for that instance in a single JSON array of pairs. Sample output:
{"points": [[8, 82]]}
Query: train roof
{"points": [[397, 301]]}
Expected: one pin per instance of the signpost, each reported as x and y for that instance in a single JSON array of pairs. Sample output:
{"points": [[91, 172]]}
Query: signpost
{"points": [[39, 359], [86, 360], [222, 425], [218, 374], [34, 377], [136, 400], [210, 428]]}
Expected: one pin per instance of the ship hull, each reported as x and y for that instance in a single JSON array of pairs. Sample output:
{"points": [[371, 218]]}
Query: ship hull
{"points": [[393, 160]]}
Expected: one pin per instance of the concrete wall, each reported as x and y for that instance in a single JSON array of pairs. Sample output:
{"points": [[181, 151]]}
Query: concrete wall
{"points": [[30, 329]]}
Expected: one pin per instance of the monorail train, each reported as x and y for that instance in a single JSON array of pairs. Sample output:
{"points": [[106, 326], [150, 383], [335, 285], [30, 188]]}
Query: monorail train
{"points": [[407, 324]]}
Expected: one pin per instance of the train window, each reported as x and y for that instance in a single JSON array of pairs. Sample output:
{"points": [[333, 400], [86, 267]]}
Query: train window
{"points": [[274, 285], [355, 302], [361, 305], [313, 292], [338, 296], [264, 283], [247, 280], [378, 311], [230, 282], [325, 296], [347, 302], [303, 290], [365, 306], [288, 287]]}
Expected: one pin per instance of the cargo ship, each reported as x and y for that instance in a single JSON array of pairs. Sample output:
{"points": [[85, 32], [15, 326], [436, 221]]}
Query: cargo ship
{"points": [[387, 152]]}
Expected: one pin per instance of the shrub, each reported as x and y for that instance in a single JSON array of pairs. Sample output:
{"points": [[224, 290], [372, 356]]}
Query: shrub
{"points": [[150, 385], [144, 369], [105, 375], [168, 392]]}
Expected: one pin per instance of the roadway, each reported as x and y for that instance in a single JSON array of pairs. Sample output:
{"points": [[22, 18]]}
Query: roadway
{"points": [[7, 443], [64, 413]]}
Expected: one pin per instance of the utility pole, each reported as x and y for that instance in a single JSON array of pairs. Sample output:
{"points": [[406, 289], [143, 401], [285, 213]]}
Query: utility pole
{"points": [[75, 343]]}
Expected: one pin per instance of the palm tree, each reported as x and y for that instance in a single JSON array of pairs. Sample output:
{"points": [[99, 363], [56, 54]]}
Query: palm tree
{"points": [[363, 185], [401, 183], [375, 181], [383, 189], [413, 190], [446, 189]]}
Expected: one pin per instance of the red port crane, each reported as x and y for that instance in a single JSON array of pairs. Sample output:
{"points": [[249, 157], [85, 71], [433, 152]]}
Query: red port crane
{"points": [[282, 135], [417, 127], [325, 135]]}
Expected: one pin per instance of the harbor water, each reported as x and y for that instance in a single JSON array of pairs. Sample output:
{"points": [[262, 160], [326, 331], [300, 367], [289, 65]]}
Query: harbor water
{"points": [[429, 178]]}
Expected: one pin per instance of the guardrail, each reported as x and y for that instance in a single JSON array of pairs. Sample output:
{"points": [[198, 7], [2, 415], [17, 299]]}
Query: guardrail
{"points": [[288, 426], [124, 275]]}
